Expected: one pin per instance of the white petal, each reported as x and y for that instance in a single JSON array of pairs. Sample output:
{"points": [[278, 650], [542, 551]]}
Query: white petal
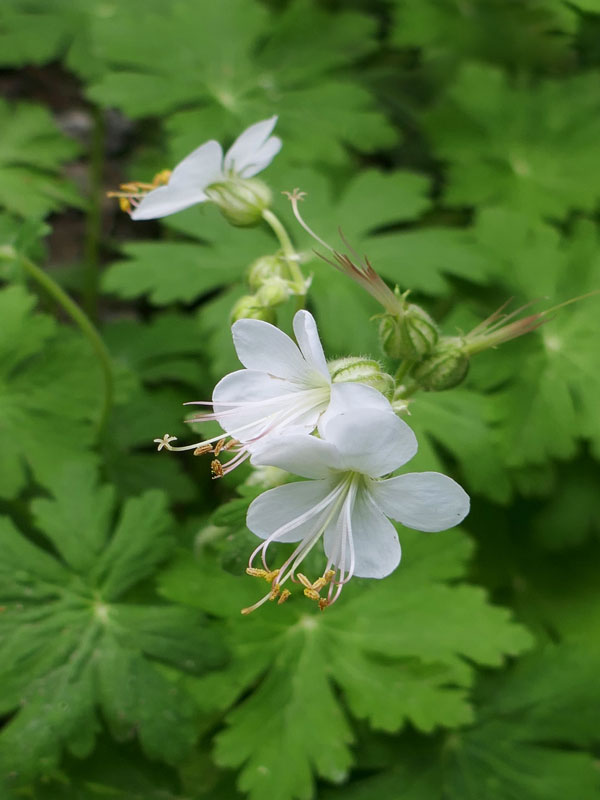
{"points": [[349, 397], [277, 507], [426, 501], [262, 158], [374, 542], [298, 453], [247, 396], [307, 336], [371, 441], [244, 151], [264, 347], [186, 185]]}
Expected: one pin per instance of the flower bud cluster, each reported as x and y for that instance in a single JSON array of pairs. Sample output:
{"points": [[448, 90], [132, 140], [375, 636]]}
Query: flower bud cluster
{"points": [[268, 278]]}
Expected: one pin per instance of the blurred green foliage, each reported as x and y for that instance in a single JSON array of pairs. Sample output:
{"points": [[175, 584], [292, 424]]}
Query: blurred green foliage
{"points": [[457, 144]]}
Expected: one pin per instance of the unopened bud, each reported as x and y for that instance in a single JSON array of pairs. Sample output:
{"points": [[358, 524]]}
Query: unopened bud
{"points": [[444, 368], [411, 335], [361, 370], [241, 200], [265, 268], [273, 292], [248, 307]]}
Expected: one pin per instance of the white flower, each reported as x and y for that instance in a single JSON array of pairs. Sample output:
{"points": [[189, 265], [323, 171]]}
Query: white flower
{"points": [[347, 502], [251, 152], [284, 386]]}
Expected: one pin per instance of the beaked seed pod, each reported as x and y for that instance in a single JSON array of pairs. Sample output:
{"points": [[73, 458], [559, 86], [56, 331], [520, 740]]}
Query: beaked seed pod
{"points": [[248, 307], [241, 200], [444, 368], [411, 336], [361, 370]]}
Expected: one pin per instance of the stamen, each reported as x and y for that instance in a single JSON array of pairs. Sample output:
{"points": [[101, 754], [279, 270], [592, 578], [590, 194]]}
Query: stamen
{"points": [[216, 468], [284, 596], [262, 573], [203, 449], [219, 446]]}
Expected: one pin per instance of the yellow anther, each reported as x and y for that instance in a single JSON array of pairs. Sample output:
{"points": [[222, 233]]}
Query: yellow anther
{"points": [[231, 444], [202, 449], [312, 593], [161, 177], [304, 580], [216, 468], [268, 575], [124, 204], [284, 596], [275, 589], [328, 575], [219, 446]]}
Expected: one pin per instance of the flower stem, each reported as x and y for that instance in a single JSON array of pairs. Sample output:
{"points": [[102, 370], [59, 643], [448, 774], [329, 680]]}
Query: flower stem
{"points": [[287, 248], [83, 322]]}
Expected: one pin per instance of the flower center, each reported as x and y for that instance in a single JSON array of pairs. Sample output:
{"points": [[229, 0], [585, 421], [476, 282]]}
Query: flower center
{"points": [[131, 193]]}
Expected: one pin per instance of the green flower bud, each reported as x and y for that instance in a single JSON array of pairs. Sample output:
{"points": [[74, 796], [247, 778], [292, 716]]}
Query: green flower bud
{"points": [[273, 292], [446, 367], [241, 200], [411, 335], [361, 370], [248, 307], [264, 268]]}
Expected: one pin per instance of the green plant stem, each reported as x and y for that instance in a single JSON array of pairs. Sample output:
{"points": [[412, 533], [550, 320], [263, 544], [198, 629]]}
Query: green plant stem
{"points": [[94, 218], [83, 322], [287, 248]]}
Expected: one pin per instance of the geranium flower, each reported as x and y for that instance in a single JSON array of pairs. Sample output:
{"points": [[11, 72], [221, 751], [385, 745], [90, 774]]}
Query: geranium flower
{"points": [[347, 501], [284, 386], [191, 180]]}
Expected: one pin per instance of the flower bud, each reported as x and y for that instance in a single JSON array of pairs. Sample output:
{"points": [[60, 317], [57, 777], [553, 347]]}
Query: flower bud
{"points": [[249, 307], [361, 370], [411, 335], [273, 292], [264, 268], [241, 200], [444, 368]]}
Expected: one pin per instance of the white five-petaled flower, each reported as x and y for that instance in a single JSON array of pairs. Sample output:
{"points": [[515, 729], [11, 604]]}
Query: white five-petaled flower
{"points": [[348, 500], [284, 386], [187, 185]]}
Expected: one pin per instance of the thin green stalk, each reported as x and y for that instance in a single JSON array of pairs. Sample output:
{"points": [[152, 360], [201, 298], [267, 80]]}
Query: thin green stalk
{"points": [[287, 248], [93, 233], [83, 322]]}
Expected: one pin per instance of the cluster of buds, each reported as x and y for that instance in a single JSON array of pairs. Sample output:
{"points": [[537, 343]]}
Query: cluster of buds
{"points": [[271, 283]]}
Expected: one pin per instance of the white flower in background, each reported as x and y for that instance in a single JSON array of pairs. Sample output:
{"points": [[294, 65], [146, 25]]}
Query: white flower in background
{"points": [[347, 502], [193, 179], [284, 385]]}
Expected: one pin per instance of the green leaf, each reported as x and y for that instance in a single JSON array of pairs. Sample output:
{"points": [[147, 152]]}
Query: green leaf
{"points": [[70, 645], [48, 393], [294, 63], [506, 144], [31, 156], [548, 699], [389, 674], [513, 34]]}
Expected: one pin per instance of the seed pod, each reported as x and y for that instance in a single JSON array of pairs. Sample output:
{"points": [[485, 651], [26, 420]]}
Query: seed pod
{"points": [[411, 335], [446, 367]]}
